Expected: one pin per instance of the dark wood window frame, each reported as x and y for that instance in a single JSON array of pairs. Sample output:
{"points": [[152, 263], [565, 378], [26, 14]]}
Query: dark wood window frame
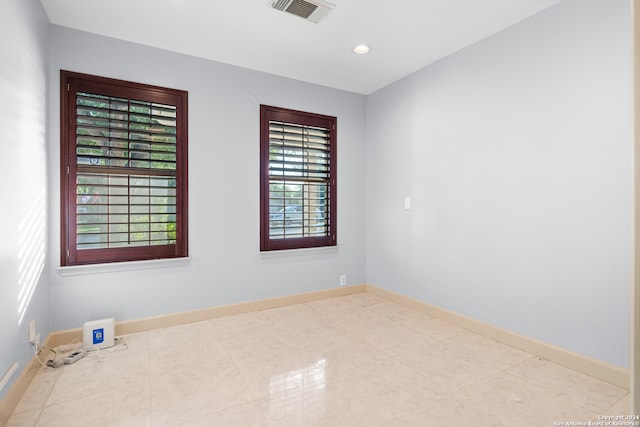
{"points": [[73, 85], [315, 224]]}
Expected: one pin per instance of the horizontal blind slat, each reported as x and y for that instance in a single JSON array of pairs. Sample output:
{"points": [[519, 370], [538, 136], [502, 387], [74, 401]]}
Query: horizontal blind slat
{"points": [[110, 130], [299, 170]]}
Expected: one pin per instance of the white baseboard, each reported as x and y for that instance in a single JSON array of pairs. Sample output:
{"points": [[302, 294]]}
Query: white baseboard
{"points": [[587, 365], [581, 363], [18, 388], [156, 322]]}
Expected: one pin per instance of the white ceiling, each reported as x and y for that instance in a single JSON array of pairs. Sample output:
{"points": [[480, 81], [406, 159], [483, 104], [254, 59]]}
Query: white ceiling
{"points": [[405, 35]]}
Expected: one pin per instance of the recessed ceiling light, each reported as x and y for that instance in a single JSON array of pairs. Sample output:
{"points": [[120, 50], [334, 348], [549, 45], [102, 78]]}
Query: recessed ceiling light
{"points": [[361, 49]]}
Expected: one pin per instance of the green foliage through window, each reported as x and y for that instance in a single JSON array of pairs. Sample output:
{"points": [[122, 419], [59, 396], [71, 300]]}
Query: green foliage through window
{"points": [[126, 157]]}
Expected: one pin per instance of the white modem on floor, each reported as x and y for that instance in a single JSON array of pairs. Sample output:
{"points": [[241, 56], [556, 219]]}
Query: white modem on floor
{"points": [[98, 334]]}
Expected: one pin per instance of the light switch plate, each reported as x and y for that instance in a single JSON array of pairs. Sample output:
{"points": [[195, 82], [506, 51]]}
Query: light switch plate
{"points": [[407, 202]]}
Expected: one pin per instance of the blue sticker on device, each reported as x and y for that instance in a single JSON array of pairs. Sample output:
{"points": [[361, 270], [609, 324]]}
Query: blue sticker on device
{"points": [[98, 336]]}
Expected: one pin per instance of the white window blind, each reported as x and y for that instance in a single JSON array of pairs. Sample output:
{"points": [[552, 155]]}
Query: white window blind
{"points": [[297, 179], [126, 167], [299, 174]]}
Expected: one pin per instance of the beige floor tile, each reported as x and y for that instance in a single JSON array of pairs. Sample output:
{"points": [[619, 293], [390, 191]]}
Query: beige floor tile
{"points": [[393, 311], [24, 419], [183, 397], [293, 313], [38, 391], [258, 344], [365, 299], [333, 305], [435, 328], [359, 320], [459, 412], [285, 371], [565, 385], [622, 406], [385, 370], [431, 358], [175, 361], [138, 342], [356, 359], [391, 398], [317, 406], [317, 336], [189, 335], [230, 326], [506, 400], [116, 407], [396, 338], [95, 375], [247, 415], [435, 417], [350, 361], [489, 349]]}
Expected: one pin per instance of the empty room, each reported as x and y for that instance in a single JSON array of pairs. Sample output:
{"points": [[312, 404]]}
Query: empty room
{"points": [[309, 213]]}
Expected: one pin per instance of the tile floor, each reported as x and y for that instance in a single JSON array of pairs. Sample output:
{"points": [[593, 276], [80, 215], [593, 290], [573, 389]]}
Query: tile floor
{"points": [[350, 361]]}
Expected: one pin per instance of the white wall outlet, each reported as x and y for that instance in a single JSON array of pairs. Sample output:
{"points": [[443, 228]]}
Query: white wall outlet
{"points": [[343, 279], [407, 203], [32, 331]]}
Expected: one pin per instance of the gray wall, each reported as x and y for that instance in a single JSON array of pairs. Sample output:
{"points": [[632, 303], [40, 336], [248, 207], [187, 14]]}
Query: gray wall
{"points": [[226, 264], [517, 152], [24, 81]]}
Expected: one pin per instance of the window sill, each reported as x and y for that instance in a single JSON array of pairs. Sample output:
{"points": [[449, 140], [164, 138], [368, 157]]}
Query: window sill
{"points": [[284, 253], [116, 267]]}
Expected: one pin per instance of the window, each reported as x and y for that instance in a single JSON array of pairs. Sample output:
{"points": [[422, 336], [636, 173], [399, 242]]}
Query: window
{"points": [[123, 171], [297, 179]]}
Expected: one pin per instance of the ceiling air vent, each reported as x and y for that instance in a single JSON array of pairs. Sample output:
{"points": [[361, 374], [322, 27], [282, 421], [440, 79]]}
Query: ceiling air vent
{"points": [[313, 10]]}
